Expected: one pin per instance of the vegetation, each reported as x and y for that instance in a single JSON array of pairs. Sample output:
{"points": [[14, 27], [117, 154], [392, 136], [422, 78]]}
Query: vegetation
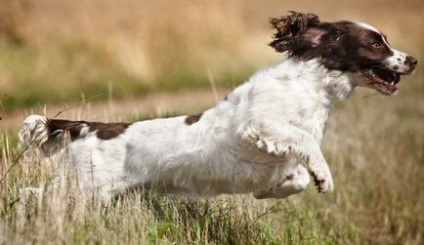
{"points": [[121, 49]]}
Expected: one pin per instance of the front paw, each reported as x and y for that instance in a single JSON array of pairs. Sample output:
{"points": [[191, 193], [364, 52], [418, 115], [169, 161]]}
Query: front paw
{"points": [[323, 181]]}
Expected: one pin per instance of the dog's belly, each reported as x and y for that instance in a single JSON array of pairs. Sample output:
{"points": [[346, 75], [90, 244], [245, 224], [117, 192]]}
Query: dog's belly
{"points": [[214, 180], [196, 173]]}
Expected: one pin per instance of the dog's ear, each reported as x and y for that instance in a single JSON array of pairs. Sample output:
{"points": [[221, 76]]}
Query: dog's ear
{"points": [[290, 28]]}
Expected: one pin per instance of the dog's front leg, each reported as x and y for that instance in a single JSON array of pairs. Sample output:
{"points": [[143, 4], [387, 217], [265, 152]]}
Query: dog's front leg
{"points": [[286, 140]]}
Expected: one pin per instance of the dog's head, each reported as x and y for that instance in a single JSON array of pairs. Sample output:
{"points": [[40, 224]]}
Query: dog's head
{"points": [[345, 46]]}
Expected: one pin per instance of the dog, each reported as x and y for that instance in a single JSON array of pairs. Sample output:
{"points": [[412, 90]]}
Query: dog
{"points": [[263, 138]]}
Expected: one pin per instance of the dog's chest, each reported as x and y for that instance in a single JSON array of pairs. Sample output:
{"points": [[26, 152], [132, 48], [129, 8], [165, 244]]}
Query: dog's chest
{"points": [[313, 120]]}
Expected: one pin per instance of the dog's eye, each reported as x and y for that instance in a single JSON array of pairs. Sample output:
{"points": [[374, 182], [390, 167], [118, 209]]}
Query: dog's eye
{"points": [[377, 45]]}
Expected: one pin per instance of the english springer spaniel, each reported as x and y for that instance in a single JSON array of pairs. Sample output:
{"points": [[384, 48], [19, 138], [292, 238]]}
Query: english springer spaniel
{"points": [[263, 138]]}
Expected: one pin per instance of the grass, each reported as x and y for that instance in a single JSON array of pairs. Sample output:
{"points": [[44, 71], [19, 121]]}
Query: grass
{"points": [[154, 219], [90, 73], [374, 144], [48, 83]]}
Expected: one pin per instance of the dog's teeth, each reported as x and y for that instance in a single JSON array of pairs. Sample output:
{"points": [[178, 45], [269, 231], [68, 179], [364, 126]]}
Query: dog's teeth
{"points": [[393, 83]]}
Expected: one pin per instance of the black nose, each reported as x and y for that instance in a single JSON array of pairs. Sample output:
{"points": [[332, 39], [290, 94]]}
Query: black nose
{"points": [[411, 61]]}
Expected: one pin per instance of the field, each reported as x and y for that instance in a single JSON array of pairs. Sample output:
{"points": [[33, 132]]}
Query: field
{"points": [[127, 60]]}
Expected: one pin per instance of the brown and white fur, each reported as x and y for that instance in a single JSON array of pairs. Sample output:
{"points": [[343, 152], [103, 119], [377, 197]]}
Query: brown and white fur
{"points": [[263, 138]]}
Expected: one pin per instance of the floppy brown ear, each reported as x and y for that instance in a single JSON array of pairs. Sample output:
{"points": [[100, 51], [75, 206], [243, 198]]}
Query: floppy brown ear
{"points": [[290, 28]]}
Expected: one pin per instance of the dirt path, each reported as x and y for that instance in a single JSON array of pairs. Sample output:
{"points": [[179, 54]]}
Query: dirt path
{"points": [[156, 104]]}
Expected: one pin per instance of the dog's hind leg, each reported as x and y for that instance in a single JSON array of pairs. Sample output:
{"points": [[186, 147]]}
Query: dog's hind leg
{"points": [[293, 183]]}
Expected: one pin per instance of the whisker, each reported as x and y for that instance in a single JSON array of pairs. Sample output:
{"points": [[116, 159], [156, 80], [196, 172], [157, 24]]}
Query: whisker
{"points": [[367, 96]]}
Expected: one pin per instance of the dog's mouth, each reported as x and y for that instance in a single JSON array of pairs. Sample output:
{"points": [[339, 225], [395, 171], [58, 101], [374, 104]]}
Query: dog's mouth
{"points": [[382, 80]]}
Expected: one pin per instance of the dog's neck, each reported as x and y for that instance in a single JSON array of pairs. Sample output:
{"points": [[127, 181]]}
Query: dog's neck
{"points": [[332, 84]]}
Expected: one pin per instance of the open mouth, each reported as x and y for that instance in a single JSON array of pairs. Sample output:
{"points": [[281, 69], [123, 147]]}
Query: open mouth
{"points": [[383, 80]]}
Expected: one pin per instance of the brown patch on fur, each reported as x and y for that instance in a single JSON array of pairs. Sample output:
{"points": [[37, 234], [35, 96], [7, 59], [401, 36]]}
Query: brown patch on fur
{"points": [[193, 119], [104, 131], [317, 182], [57, 126], [107, 131], [366, 38], [342, 45], [290, 28]]}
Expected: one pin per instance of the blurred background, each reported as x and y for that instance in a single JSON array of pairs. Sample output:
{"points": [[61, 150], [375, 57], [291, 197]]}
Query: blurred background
{"points": [[54, 51], [134, 58]]}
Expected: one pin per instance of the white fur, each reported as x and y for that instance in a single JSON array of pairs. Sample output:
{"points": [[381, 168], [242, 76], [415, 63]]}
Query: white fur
{"points": [[367, 26], [398, 62], [263, 139], [33, 131]]}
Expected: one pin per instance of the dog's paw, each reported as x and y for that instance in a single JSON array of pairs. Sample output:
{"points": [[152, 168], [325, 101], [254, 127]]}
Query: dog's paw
{"points": [[323, 181], [262, 195], [254, 138], [250, 135]]}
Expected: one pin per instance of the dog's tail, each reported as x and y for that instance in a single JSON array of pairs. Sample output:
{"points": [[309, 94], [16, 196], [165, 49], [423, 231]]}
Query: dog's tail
{"points": [[33, 132], [48, 135], [52, 135]]}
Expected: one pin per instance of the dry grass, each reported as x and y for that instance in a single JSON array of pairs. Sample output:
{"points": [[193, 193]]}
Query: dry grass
{"points": [[375, 145]]}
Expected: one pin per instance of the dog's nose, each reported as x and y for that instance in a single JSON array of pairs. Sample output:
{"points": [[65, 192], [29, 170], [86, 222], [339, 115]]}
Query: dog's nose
{"points": [[411, 62]]}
